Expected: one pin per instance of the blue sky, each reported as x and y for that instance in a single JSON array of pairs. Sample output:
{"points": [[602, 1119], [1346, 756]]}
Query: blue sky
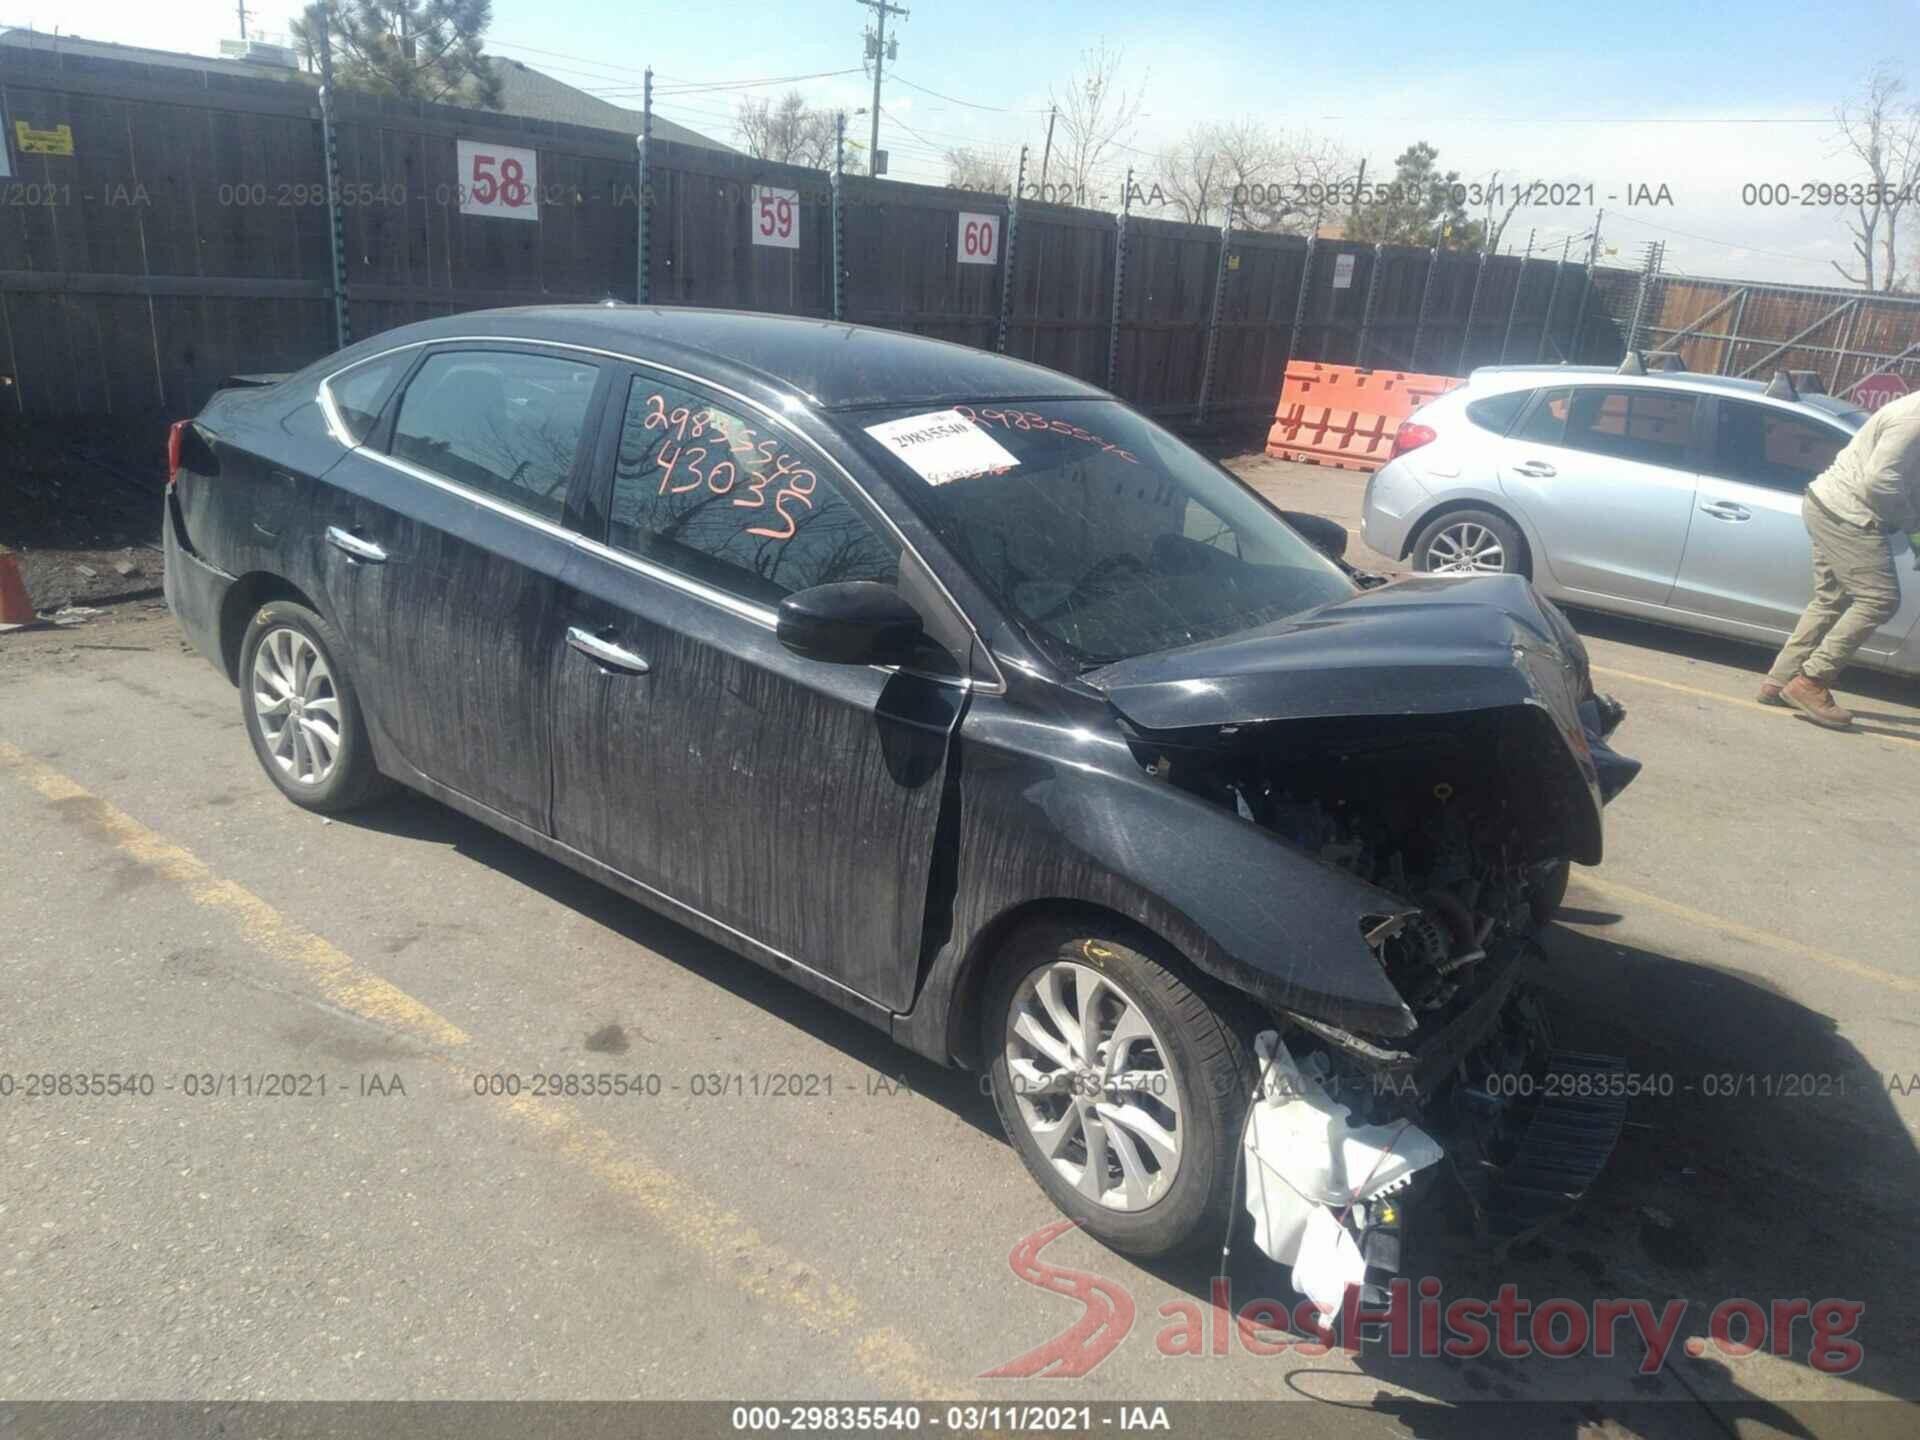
{"points": [[1700, 98]]}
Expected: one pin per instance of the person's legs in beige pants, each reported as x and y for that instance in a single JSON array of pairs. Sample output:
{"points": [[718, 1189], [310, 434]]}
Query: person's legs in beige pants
{"points": [[1855, 591]]}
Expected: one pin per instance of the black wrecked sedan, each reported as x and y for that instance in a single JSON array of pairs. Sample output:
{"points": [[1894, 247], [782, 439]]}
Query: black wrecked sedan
{"points": [[947, 686]]}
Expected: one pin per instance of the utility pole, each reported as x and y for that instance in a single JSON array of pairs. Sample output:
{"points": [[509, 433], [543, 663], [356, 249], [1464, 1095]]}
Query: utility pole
{"points": [[839, 212], [877, 52], [1053, 113], [643, 266], [241, 5], [1586, 288]]}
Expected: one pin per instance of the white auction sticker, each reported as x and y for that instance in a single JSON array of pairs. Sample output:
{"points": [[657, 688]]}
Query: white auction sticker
{"points": [[943, 445]]}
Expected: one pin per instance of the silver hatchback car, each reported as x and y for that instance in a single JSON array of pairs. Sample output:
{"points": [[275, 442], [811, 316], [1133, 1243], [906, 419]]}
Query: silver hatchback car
{"points": [[1666, 495]]}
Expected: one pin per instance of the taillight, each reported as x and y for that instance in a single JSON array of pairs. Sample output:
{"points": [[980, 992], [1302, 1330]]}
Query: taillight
{"points": [[1411, 437], [175, 433]]}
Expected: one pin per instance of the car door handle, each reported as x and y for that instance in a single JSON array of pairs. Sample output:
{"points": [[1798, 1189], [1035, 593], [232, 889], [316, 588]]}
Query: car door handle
{"points": [[605, 651], [1535, 470], [347, 541], [1726, 510]]}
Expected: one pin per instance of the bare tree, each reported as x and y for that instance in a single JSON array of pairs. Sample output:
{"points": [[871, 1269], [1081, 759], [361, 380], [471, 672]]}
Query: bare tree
{"points": [[1496, 228], [972, 170], [1880, 130], [1096, 113], [1280, 183], [786, 130], [1195, 175]]}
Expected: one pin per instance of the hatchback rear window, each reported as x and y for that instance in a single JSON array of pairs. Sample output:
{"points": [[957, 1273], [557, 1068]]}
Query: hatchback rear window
{"points": [[1498, 412]]}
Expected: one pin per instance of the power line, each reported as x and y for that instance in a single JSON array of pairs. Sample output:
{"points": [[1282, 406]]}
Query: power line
{"points": [[1723, 244], [956, 100], [695, 88]]}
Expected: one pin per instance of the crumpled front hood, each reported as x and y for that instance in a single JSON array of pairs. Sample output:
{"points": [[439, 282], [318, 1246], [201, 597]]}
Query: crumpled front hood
{"points": [[1425, 645]]}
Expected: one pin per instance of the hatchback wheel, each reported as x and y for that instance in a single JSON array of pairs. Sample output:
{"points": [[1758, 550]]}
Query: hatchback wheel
{"points": [[1471, 542], [301, 711], [1122, 1087]]}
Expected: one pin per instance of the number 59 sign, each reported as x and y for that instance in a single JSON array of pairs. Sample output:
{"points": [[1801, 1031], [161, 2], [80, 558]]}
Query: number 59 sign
{"points": [[498, 180], [776, 217]]}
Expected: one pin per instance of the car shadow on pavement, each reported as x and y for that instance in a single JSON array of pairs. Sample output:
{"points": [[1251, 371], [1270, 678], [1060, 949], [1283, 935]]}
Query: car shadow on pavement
{"points": [[1740, 655], [1749, 1179], [415, 817], [1774, 1168]]}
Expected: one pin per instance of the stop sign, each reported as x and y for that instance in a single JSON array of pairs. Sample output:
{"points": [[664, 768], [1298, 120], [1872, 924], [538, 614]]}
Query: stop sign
{"points": [[1876, 390]]}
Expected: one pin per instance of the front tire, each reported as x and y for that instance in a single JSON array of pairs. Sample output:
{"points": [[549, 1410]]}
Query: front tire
{"points": [[1471, 542], [1122, 1086], [302, 713]]}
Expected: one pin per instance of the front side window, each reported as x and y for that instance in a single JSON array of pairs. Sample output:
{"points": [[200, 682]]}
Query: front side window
{"points": [[1652, 427], [734, 503], [1764, 446], [358, 394], [1099, 533], [504, 423]]}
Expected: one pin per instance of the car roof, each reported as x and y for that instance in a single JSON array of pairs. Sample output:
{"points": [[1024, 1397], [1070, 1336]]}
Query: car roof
{"points": [[835, 365], [1509, 377]]}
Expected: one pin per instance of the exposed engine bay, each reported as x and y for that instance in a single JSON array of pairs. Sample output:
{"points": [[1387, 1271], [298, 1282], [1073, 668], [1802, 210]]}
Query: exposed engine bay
{"points": [[1457, 815]]}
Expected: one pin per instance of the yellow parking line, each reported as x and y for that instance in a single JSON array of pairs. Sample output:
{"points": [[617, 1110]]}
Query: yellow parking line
{"points": [[728, 1243], [338, 978], [1765, 939], [1726, 699]]}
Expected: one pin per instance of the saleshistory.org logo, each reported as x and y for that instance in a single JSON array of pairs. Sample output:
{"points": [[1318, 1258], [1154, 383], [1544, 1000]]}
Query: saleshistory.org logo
{"points": [[1418, 1323]]}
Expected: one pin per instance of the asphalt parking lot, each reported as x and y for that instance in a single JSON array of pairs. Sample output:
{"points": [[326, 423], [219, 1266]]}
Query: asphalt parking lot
{"points": [[408, 1235]]}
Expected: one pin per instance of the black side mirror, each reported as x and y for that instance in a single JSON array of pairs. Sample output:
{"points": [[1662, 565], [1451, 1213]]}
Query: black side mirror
{"points": [[1329, 537], [853, 622]]}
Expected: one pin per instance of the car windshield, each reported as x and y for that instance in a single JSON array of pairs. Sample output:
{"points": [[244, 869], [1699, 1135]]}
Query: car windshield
{"points": [[1101, 534]]}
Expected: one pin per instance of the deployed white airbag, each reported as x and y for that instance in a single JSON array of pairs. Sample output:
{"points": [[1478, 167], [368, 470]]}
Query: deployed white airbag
{"points": [[1308, 1164]]}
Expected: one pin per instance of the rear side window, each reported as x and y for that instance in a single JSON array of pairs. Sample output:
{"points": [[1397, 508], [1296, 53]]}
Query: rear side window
{"points": [[1498, 412], [1546, 422], [1769, 447], [734, 503], [1652, 427], [503, 423], [359, 394]]}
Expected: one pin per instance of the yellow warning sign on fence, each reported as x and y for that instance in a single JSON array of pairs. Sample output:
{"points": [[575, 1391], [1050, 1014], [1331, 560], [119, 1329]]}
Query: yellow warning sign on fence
{"points": [[57, 141]]}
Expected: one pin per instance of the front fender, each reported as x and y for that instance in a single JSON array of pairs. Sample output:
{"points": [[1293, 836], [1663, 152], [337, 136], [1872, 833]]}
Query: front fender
{"points": [[1076, 820]]}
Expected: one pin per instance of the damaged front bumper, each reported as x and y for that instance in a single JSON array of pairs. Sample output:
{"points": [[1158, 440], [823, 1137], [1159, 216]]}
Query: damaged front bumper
{"points": [[1341, 1126]]}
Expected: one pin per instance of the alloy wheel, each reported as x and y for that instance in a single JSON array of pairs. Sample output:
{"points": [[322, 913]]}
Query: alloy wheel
{"points": [[1094, 1084], [296, 705], [1467, 548]]}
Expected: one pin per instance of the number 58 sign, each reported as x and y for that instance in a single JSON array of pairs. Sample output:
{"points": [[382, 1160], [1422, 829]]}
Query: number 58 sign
{"points": [[498, 180]]}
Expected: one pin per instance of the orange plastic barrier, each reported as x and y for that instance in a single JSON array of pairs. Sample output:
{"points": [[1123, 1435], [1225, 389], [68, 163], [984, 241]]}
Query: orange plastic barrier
{"points": [[1345, 417], [15, 608]]}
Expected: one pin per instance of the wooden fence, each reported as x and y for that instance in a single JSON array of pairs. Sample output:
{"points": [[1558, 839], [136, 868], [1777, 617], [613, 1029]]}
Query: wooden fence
{"points": [[188, 236]]}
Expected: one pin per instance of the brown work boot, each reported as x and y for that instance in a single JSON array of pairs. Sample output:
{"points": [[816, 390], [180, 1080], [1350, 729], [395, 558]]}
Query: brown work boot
{"points": [[1770, 694], [1815, 701]]}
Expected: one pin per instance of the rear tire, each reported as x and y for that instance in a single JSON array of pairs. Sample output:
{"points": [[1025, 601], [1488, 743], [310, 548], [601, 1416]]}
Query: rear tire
{"points": [[1472, 542], [1179, 1069], [302, 713]]}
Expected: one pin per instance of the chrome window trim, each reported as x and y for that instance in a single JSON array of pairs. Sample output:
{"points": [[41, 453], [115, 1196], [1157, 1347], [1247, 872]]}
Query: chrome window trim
{"points": [[759, 614], [746, 609]]}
